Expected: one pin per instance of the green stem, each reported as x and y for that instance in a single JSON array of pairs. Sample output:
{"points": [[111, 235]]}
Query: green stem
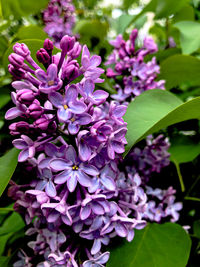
{"points": [[192, 198], [193, 185], [179, 176], [6, 209]]}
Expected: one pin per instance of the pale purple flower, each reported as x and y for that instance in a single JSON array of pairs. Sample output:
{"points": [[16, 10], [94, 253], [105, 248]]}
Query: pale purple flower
{"points": [[67, 105], [49, 80], [72, 170]]}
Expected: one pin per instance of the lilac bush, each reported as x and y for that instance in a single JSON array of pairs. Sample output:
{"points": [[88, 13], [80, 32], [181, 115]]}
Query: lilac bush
{"points": [[59, 19], [72, 138], [131, 73]]}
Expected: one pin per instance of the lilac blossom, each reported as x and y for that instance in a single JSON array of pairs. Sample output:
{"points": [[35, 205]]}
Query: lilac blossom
{"points": [[137, 75], [59, 19], [81, 193]]}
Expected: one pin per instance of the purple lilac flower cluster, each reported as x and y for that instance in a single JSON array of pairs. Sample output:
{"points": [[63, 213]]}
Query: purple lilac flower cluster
{"points": [[59, 19], [131, 73], [132, 77], [73, 139]]}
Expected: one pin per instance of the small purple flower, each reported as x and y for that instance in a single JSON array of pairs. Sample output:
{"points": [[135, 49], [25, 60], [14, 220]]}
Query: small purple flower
{"points": [[73, 170], [97, 261], [96, 97], [49, 80], [67, 105], [46, 182], [27, 146]]}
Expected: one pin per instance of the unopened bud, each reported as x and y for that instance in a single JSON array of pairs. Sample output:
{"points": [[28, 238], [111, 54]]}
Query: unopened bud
{"points": [[67, 43], [21, 49], [42, 56]]}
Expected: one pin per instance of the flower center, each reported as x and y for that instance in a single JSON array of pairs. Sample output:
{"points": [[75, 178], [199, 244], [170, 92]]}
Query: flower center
{"points": [[65, 106], [50, 83], [72, 119], [75, 168]]}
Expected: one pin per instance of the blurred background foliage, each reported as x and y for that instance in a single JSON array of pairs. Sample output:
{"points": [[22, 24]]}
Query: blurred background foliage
{"points": [[175, 26]]}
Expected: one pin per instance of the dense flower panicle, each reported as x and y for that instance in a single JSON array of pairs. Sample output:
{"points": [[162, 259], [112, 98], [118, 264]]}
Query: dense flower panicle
{"points": [[131, 73], [59, 18], [72, 139]]}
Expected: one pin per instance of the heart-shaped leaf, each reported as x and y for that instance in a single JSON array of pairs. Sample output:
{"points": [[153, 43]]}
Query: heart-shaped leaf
{"points": [[155, 246]]}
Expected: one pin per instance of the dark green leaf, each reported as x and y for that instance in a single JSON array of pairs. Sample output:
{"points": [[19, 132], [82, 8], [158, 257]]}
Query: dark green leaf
{"points": [[157, 245], [180, 69], [4, 99], [8, 163], [189, 36], [4, 261], [196, 228], [3, 241], [186, 13], [12, 224], [183, 149]]}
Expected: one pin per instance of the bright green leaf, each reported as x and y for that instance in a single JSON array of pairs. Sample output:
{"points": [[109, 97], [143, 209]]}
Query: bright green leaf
{"points": [[168, 7], [155, 110], [12, 224], [189, 36], [31, 32], [8, 163], [180, 69], [146, 111], [157, 245], [183, 149], [122, 22]]}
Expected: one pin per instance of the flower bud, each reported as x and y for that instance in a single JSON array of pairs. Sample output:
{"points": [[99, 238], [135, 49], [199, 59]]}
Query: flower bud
{"points": [[75, 52], [21, 49], [71, 72], [41, 123], [19, 127], [16, 72], [42, 56], [16, 60], [25, 96], [67, 43], [48, 45], [35, 110]]}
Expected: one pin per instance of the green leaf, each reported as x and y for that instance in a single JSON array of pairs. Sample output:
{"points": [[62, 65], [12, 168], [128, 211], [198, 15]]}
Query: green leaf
{"points": [[19, 8], [122, 22], [168, 7], [4, 99], [3, 241], [186, 13], [146, 111], [183, 149], [155, 110], [12, 224], [4, 261], [157, 245], [179, 69], [189, 36], [31, 32], [196, 228], [91, 28], [8, 163]]}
